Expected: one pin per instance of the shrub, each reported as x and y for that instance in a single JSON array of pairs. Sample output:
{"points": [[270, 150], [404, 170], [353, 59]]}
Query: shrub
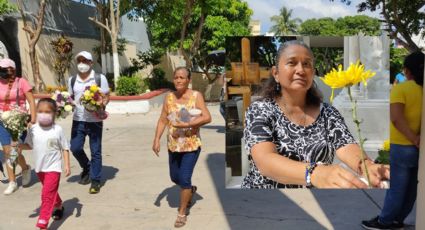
{"points": [[127, 86], [110, 78], [158, 81]]}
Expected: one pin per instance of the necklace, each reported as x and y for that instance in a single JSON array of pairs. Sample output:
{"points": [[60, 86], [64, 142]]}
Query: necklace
{"points": [[304, 117]]}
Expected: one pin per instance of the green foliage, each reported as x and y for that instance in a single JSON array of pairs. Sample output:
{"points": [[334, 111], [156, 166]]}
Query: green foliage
{"points": [[397, 56], [63, 49], [403, 18], [6, 7], [346, 26], [158, 81], [327, 58], [111, 82], [143, 60], [121, 46], [330, 57], [128, 86], [383, 157], [283, 23], [222, 18]]}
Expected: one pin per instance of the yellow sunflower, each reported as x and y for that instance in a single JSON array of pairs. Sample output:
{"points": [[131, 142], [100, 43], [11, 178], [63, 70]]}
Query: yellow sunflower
{"points": [[352, 76]]}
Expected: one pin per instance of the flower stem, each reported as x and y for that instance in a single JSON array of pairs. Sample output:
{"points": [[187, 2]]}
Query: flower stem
{"points": [[357, 122]]}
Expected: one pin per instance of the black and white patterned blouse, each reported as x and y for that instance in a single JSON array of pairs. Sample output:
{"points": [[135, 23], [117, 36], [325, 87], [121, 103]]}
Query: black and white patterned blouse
{"points": [[317, 142]]}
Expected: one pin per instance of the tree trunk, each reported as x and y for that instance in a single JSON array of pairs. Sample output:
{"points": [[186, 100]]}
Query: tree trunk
{"points": [[208, 91], [109, 63], [35, 72], [34, 32], [186, 17], [103, 61], [116, 66], [103, 51], [114, 16]]}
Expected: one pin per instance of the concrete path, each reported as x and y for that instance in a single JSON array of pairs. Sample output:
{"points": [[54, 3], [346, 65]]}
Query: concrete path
{"points": [[139, 195]]}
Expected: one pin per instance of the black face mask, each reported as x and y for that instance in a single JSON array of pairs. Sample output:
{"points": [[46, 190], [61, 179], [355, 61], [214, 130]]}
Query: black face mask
{"points": [[4, 74]]}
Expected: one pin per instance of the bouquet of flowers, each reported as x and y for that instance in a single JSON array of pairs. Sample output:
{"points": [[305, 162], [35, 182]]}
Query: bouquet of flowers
{"points": [[64, 103], [15, 121], [92, 100]]}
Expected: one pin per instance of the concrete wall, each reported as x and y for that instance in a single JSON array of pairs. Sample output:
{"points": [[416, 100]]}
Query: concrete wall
{"points": [[46, 55]]}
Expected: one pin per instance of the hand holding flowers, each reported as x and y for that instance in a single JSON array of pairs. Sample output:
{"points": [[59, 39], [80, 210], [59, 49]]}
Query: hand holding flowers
{"points": [[94, 102], [15, 121]]}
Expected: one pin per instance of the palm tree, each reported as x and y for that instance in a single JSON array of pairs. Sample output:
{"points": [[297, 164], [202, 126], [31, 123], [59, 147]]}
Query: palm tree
{"points": [[283, 23]]}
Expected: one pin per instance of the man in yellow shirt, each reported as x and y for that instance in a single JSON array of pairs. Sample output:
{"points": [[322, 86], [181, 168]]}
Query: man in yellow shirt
{"points": [[405, 115]]}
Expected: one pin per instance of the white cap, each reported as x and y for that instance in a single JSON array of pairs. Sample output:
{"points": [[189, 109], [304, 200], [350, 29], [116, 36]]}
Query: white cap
{"points": [[84, 54], [6, 63]]}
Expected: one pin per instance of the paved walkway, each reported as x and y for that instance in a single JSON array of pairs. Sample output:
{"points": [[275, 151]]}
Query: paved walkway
{"points": [[139, 195]]}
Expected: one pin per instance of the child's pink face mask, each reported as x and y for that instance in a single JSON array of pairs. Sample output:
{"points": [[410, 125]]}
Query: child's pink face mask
{"points": [[44, 119]]}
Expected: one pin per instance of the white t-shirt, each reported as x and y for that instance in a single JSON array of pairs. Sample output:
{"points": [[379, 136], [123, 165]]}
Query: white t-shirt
{"points": [[80, 114], [48, 145]]}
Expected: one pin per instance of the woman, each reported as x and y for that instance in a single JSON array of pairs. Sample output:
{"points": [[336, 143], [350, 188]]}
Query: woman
{"points": [[405, 115], [292, 137], [14, 91], [184, 143]]}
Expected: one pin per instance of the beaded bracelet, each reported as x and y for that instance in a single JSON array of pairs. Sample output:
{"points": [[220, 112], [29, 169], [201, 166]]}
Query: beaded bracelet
{"points": [[308, 171]]}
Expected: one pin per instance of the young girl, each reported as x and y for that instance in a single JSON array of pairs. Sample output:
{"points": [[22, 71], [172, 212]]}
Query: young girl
{"points": [[48, 143]]}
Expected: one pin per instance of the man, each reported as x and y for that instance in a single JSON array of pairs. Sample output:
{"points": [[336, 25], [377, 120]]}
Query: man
{"points": [[85, 123]]}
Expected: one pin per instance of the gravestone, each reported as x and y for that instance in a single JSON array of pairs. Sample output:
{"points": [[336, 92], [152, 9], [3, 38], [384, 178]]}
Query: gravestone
{"points": [[373, 99]]}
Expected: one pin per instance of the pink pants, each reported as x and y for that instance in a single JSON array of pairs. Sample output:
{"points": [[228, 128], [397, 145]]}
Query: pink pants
{"points": [[50, 198]]}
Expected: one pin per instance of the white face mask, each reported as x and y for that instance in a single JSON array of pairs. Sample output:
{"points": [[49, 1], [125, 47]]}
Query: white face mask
{"points": [[83, 68]]}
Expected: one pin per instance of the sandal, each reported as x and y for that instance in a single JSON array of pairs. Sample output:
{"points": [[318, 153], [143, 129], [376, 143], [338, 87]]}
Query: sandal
{"points": [[180, 221], [58, 213]]}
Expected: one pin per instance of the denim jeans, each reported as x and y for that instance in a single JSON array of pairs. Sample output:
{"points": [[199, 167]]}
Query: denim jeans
{"points": [[181, 167], [401, 195], [81, 129], [6, 138]]}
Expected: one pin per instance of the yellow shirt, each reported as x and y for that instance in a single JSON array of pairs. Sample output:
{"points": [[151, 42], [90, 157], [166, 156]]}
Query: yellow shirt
{"points": [[410, 94]]}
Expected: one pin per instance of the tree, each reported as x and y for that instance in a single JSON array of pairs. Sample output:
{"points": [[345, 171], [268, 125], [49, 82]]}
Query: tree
{"points": [[284, 24], [112, 26], [402, 18], [33, 29], [330, 57], [345, 26], [6, 7], [196, 35]]}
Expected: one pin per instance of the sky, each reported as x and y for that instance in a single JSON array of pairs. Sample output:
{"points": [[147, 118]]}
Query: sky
{"points": [[305, 9]]}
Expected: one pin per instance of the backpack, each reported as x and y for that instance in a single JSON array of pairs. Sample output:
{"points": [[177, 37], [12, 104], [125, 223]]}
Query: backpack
{"points": [[97, 79]]}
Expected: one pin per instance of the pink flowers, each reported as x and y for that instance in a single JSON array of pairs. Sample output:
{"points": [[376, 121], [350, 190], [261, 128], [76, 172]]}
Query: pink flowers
{"points": [[64, 103]]}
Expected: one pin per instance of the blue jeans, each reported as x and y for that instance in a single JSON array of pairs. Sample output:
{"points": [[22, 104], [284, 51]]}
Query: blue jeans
{"points": [[181, 167], [6, 138], [80, 130], [401, 195]]}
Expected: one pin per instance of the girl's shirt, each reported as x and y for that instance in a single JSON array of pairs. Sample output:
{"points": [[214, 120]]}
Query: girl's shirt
{"points": [[48, 145], [9, 93], [182, 139]]}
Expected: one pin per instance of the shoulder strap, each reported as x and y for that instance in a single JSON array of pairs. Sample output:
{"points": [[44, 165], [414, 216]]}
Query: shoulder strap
{"points": [[73, 79], [17, 92], [98, 79]]}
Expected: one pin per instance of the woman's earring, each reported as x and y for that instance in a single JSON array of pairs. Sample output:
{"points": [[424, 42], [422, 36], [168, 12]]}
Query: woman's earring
{"points": [[277, 87]]}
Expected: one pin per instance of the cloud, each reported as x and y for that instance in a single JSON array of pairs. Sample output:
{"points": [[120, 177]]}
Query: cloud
{"points": [[304, 10]]}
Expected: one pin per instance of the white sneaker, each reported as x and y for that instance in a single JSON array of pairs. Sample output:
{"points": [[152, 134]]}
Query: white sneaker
{"points": [[26, 176], [12, 187]]}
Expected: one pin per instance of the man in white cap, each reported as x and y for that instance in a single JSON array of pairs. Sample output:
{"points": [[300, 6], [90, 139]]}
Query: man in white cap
{"points": [[86, 123]]}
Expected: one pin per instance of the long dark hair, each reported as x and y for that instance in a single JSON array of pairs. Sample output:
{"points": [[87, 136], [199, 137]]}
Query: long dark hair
{"points": [[269, 88], [414, 62]]}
